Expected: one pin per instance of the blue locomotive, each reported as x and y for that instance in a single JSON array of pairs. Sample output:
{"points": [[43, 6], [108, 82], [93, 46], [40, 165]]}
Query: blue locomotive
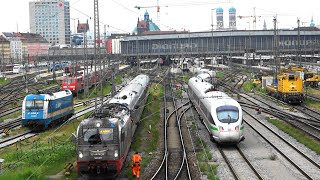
{"points": [[40, 111]]}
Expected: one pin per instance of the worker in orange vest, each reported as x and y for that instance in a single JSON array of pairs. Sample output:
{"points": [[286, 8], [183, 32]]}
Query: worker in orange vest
{"points": [[136, 160]]}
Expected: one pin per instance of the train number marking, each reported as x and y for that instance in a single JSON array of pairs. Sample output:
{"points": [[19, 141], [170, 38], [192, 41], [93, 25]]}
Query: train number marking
{"points": [[58, 105]]}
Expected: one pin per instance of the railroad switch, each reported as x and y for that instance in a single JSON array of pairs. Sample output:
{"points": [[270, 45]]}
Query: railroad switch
{"points": [[68, 169]]}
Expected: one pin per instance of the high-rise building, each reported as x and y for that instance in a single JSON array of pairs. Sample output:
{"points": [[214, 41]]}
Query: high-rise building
{"points": [[51, 19]]}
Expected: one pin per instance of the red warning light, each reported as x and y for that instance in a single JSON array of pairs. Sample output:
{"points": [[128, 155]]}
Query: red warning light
{"points": [[60, 4]]}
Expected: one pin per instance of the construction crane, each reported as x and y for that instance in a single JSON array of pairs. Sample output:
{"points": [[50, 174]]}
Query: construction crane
{"points": [[253, 16], [158, 11]]}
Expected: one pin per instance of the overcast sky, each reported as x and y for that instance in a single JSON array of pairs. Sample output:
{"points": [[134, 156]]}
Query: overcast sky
{"points": [[193, 15]]}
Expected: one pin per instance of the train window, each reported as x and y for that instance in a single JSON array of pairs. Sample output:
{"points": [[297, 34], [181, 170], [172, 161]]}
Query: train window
{"points": [[227, 114], [106, 134], [123, 136], [211, 119], [29, 104], [38, 104], [291, 77], [210, 89], [34, 104], [68, 80], [91, 136]]}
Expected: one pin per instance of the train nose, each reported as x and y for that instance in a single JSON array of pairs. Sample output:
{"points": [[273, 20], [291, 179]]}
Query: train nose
{"points": [[229, 137]]}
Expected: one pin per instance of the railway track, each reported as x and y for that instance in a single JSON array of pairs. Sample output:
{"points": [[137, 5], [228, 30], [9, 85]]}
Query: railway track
{"points": [[16, 138], [238, 163], [174, 164], [312, 97], [296, 121], [308, 125], [28, 134], [307, 166]]}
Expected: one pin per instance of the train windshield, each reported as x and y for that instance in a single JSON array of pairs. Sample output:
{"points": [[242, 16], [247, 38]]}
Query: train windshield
{"points": [[291, 77], [94, 136], [34, 104], [68, 80], [228, 114]]}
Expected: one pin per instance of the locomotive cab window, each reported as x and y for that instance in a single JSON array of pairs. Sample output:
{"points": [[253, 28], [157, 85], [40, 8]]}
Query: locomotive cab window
{"points": [[291, 77], [34, 104], [227, 114], [91, 136], [106, 134], [97, 136], [68, 80]]}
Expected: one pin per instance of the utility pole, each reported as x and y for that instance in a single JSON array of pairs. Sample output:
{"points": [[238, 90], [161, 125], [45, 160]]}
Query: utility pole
{"points": [[97, 50], [25, 73], [86, 73], [138, 59], [2, 62], [299, 48], [275, 46], [53, 67], [212, 41], [105, 46]]}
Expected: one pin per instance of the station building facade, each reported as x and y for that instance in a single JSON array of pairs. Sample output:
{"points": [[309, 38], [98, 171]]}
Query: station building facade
{"points": [[230, 42]]}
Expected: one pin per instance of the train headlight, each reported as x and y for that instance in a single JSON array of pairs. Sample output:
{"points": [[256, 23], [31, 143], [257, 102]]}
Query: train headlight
{"points": [[116, 153], [80, 155], [220, 128], [98, 124]]}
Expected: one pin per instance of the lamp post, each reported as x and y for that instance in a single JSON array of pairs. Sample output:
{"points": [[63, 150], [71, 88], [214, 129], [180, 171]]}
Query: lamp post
{"points": [[212, 29], [212, 39]]}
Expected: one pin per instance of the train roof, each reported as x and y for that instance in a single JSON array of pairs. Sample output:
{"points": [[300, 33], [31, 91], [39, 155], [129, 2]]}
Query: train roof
{"points": [[140, 79], [128, 95], [205, 89], [52, 96], [206, 92]]}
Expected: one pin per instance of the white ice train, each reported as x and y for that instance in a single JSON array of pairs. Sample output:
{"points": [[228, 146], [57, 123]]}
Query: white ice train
{"points": [[221, 114]]}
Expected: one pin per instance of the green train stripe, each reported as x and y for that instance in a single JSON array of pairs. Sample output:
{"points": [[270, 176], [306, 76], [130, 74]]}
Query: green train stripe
{"points": [[214, 128]]}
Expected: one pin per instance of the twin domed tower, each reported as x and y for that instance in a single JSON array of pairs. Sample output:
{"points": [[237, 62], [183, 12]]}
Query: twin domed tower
{"points": [[232, 18]]}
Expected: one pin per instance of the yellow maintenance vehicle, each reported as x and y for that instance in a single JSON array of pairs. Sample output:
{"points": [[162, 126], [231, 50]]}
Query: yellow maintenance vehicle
{"points": [[256, 81], [309, 78], [288, 88]]}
